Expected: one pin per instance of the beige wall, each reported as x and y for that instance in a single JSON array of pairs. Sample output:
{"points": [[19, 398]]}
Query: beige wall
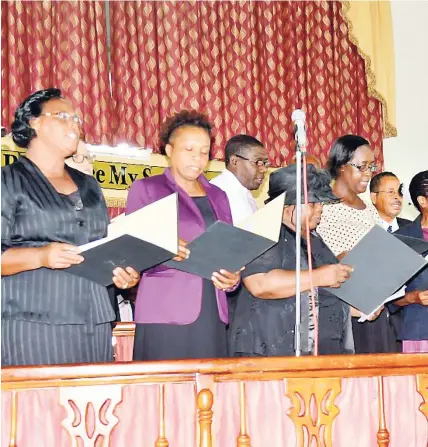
{"points": [[407, 154]]}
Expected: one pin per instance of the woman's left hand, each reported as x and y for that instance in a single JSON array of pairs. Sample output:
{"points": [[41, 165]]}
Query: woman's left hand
{"points": [[225, 280], [125, 278]]}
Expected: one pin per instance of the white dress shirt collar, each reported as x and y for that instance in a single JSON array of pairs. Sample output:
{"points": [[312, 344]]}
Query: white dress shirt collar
{"points": [[242, 203], [393, 224]]}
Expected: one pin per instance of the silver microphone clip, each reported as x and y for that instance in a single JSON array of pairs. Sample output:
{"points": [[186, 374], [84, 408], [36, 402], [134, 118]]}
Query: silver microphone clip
{"points": [[299, 117]]}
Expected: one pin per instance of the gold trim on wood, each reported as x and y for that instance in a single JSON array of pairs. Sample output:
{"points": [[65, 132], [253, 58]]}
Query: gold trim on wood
{"points": [[161, 441], [389, 129], [382, 434], [422, 387], [218, 370], [124, 329], [115, 202], [243, 438], [205, 402], [313, 409], [13, 418]]}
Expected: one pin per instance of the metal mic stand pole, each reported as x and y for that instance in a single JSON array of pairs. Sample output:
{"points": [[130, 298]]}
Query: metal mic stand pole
{"points": [[297, 338]]}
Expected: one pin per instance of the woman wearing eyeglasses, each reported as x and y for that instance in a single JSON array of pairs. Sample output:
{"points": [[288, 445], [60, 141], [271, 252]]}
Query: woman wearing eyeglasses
{"points": [[351, 164], [48, 209]]}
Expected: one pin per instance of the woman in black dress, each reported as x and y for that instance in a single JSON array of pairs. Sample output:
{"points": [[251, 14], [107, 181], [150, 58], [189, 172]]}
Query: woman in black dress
{"points": [[48, 209]]}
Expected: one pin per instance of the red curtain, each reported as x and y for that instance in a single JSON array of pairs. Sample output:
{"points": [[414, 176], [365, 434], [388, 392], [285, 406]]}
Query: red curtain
{"points": [[57, 44], [248, 65]]}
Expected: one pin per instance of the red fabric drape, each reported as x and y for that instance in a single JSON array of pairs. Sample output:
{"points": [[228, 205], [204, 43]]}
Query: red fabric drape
{"points": [[57, 44], [248, 65]]}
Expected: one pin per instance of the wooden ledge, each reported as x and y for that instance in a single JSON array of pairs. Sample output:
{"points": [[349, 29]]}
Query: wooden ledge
{"points": [[273, 368]]}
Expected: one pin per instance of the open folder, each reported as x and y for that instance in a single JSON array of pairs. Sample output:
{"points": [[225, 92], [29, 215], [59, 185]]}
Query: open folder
{"points": [[382, 263], [143, 239], [228, 247]]}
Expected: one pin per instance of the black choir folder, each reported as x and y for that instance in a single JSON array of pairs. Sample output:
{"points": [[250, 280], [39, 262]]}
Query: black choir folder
{"points": [[382, 264], [143, 239], [228, 247], [419, 245]]}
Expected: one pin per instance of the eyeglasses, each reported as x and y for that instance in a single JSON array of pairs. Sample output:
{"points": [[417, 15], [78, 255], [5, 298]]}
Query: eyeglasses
{"points": [[364, 167], [80, 158], [259, 163], [65, 116], [392, 192]]}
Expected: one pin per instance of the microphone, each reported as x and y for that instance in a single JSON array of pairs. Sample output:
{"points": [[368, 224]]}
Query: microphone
{"points": [[299, 117]]}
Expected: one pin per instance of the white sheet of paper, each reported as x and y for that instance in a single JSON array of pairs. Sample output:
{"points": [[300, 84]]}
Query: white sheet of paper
{"points": [[400, 293], [266, 221], [156, 223]]}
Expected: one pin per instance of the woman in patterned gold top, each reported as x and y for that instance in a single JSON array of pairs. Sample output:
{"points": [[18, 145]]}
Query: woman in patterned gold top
{"points": [[351, 163]]}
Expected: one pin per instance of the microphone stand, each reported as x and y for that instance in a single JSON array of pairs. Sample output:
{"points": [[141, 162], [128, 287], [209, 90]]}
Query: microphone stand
{"points": [[300, 152]]}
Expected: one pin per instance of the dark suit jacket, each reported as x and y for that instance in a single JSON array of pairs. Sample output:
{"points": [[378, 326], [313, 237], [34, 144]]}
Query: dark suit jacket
{"points": [[34, 214], [415, 316], [403, 222], [168, 295]]}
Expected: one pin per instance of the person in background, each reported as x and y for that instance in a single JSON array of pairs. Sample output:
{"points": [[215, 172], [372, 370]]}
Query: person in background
{"points": [[246, 162], [387, 197], [82, 160], [414, 305], [264, 322], [179, 315], [50, 316], [351, 164]]}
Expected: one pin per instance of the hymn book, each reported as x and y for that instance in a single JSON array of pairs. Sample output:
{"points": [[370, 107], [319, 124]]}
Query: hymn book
{"points": [[141, 240], [228, 247]]}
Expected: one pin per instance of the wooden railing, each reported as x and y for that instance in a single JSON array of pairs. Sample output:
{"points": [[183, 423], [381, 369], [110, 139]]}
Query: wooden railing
{"points": [[275, 402]]}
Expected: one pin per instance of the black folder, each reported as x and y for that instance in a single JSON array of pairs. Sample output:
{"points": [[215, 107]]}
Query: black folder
{"points": [[419, 245], [228, 247], [382, 264], [142, 239], [222, 246], [124, 251]]}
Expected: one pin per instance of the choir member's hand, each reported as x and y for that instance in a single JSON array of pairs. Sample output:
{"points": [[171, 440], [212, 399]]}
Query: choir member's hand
{"points": [[374, 315], [183, 251], [333, 275], [417, 297], [225, 280], [342, 255], [125, 278], [59, 256]]}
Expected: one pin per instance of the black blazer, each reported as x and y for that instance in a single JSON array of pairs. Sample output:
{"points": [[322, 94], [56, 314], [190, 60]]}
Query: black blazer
{"points": [[415, 316], [403, 222], [34, 214]]}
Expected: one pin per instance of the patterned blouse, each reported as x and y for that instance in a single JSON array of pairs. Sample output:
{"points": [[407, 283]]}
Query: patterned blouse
{"points": [[342, 226]]}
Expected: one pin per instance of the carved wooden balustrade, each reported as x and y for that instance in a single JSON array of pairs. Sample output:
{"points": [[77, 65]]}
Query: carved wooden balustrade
{"points": [[344, 401]]}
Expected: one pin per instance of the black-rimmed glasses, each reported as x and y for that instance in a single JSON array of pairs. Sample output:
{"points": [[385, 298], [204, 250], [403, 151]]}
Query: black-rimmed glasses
{"points": [[259, 163], [80, 158]]}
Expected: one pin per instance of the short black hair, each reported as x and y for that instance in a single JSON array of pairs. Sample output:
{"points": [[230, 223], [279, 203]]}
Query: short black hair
{"points": [[189, 118], [342, 151], [377, 180], [419, 187], [239, 144], [30, 108]]}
